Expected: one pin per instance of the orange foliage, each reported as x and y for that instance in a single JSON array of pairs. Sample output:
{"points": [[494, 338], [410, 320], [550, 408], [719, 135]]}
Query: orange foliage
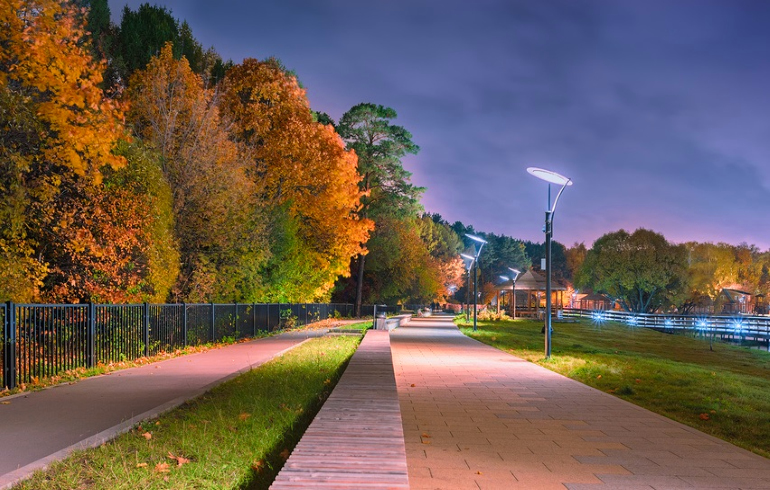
{"points": [[103, 236], [43, 52], [299, 162], [215, 201]]}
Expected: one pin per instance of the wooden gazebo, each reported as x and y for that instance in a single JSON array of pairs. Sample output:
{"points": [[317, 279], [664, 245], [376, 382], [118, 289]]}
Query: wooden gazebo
{"points": [[530, 293]]}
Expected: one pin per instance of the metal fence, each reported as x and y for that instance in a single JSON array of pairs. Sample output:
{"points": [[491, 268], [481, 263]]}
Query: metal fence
{"points": [[40, 341], [735, 328]]}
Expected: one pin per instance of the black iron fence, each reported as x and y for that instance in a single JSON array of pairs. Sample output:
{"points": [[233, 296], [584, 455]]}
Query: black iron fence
{"points": [[40, 341], [734, 328]]}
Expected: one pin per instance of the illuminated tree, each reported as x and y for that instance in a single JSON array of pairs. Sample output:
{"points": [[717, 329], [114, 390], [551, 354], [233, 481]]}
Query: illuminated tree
{"points": [[642, 270], [306, 176], [219, 222], [387, 189]]}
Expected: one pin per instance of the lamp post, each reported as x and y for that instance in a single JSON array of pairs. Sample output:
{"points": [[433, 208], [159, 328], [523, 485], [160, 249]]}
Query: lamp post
{"points": [[513, 287], [515, 275], [470, 259], [551, 178], [477, 245]]}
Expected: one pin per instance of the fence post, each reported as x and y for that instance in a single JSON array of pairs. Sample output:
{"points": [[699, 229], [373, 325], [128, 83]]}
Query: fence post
{"points": [[212, 323], [184, 322], [235, 320], [254, 319], [9, 346], [146, 311], [90, 336]]}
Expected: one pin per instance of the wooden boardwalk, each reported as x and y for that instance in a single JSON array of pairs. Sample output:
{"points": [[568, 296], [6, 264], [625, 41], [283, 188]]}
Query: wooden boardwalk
{"points": [[356, 440]]}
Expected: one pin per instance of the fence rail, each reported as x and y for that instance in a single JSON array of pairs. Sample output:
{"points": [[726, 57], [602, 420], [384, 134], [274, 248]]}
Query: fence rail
{"points": [[731, 328], [41, 341]]}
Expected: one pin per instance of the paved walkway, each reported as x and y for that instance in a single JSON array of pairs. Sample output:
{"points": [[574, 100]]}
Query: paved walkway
{"points": [[39, 427], [477, 418], [356, 441]]}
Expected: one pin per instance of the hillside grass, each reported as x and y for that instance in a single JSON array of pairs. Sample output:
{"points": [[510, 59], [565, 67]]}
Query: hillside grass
{"points": [[724, 392]]}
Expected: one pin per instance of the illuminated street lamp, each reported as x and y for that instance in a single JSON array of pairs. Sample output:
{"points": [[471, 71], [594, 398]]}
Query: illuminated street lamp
{"points": [[470, 259], [516, 273], [558, 179], [478, 244]]}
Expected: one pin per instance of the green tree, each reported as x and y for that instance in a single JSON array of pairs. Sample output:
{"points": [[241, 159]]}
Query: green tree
{"points": [[143, 33], [388, 191], [642, 270]]}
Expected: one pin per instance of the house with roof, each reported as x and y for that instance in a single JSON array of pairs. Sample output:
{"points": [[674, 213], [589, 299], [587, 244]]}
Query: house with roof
{"points": [[734, 301]]}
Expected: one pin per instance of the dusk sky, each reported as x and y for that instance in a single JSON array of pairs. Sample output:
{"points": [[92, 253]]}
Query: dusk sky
{"points": [[658, 110]]}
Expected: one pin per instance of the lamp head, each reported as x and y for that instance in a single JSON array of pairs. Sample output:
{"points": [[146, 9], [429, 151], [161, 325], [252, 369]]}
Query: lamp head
{"points": [[549, 176], [480, 242]]}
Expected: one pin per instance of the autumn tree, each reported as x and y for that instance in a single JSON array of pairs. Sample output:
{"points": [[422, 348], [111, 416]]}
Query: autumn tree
{"points": [[307, 178], [218, 217], [575, 256], [386, 185], [60, 133], [444, 246], [642, 270]]}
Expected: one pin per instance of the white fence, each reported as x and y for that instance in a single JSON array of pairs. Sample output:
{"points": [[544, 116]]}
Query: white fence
{"points": [[731, 328]]}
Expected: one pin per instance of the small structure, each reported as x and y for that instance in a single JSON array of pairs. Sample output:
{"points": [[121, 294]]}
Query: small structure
{"points": [[530, 293], [593, 301], [734, 301]]}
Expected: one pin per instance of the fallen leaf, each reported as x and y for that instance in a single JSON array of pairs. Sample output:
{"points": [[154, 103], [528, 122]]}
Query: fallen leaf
{"points": [[243, 416], [162, 468], [478, 473], [426, 442], [425, 435], [599, 377], [141, 465], [147, 436], [638, 380], [5, 403], [704, 416], [413, 385], [285, 454], [257, 466], [180, 460]]}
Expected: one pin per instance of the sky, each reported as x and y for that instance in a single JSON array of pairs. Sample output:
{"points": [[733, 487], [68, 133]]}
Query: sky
{"points": [[658, 110]]}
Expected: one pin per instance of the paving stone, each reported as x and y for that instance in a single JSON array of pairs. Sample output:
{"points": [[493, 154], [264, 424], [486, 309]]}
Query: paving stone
{"points": [[505, 415]]}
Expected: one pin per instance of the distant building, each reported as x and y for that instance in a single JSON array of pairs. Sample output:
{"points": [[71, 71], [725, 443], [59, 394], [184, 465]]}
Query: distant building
{"points": [[734, 301]]}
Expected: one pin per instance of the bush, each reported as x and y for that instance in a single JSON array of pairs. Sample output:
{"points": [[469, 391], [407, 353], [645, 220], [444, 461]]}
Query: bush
{"points": [[487, 315]]}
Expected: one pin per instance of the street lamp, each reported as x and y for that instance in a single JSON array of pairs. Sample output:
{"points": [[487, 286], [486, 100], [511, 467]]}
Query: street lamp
{"points": [[516, 273], [470, 259], [551, 178], [477, 245]]}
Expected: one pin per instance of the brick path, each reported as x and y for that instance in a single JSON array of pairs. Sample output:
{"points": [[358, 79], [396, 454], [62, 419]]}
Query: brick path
{"points": [[477, 418]]}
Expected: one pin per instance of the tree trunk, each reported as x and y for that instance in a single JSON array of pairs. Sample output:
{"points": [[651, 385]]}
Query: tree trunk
{"points": [[360, 285]]}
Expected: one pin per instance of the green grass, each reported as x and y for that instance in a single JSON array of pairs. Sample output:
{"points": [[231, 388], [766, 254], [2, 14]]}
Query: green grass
{"points": [[235, 436], [724, 392]]}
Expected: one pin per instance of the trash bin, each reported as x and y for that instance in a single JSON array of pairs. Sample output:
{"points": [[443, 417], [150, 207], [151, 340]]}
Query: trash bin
{"points": [[379, 323]]}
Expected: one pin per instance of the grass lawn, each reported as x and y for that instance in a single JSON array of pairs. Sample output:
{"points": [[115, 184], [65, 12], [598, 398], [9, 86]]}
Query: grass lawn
{"points": [[724, 392], [235, 436]]}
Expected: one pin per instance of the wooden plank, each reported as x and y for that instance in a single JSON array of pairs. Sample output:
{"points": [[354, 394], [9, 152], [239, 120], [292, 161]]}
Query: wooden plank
{"points": [[356, 440]]}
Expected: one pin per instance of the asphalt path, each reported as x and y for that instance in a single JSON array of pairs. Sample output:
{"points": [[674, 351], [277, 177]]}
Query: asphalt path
{"points": [[39, 427]]}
